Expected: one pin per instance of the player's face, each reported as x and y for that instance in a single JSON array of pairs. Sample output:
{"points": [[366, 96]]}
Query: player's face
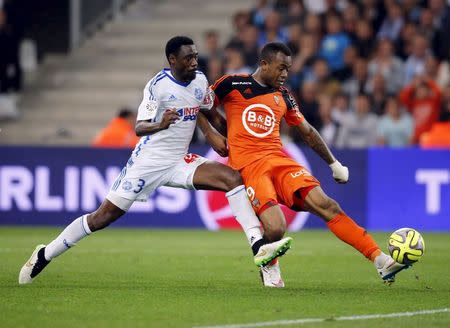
{"points": [[186, 63], [275, 72]]}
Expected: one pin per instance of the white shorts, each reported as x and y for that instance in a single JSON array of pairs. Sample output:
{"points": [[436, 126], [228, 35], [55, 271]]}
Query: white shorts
{"points": [[137, 181]]}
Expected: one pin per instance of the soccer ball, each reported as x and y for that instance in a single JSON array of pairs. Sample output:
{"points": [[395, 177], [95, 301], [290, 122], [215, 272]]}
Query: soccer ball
{"points": [[406, 246]]}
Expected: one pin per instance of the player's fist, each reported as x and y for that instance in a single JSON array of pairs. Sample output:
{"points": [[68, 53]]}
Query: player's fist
{"points": [[340, 172], [170, 116]]}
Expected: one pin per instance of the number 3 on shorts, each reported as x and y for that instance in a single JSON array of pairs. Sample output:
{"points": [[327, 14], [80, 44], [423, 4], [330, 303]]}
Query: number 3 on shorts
{"points": [[140, 185]]}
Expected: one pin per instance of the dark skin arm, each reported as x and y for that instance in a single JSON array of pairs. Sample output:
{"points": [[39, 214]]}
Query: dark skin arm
{"points": [[145, 128], [217, 141], [313, 139], [217, 120]]}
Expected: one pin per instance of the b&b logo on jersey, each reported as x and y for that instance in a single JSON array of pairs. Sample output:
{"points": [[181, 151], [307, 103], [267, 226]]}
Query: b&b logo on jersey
{"points": [[188, 113]]}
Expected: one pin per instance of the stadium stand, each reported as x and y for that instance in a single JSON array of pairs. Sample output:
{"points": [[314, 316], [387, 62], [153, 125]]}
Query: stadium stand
{"points": [[74, 96]]}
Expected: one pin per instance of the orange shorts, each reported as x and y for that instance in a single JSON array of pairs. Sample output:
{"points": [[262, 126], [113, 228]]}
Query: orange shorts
{"points": [[275, 179]]}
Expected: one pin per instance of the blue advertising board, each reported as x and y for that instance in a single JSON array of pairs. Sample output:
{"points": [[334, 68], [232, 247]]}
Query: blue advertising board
{"points": [[52, 186], [408, 188]]}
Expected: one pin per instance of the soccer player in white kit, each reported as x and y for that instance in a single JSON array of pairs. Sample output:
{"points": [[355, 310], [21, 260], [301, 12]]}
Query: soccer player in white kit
{"points": [[166, 120]]}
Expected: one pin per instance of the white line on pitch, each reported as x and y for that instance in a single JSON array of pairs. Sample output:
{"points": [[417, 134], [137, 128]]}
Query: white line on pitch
{"points": [[331, 319]]}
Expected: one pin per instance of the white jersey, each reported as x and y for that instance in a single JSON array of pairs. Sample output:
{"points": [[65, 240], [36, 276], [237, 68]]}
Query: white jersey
{"points": [[164, 92]]}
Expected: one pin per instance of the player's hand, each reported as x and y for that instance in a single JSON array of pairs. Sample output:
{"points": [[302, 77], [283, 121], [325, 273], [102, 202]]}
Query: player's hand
{"points": [[169, 117], [340, 172], [218, 142]]}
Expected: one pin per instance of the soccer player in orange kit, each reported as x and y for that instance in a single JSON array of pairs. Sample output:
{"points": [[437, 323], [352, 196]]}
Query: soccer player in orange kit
{"points": [[254, 106]]}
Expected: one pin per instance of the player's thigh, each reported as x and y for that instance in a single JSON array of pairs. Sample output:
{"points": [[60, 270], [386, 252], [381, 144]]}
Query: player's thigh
{"points": [[216, 176], [197, 172], [319, 203]]}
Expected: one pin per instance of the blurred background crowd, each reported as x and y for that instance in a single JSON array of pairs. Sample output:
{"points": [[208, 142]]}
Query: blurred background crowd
{"points": [[365, 72]]}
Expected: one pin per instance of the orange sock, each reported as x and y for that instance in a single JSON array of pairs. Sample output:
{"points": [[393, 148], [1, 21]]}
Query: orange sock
{"points": [[348, 231]]}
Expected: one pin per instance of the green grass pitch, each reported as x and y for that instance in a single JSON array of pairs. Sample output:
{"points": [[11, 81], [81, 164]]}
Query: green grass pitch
{"points": [[193, 278]]}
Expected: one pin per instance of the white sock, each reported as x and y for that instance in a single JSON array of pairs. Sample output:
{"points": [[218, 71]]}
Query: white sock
{"points": [[74, 232], [243, 211], [381, 260]]}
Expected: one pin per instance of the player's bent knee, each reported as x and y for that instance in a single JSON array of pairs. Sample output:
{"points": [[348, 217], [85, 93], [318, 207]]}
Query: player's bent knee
{"points": [[233, 179]]}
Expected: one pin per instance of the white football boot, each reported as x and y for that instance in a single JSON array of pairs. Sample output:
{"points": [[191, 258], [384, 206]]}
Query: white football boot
{"points": [[389, 269], [268, 252], [35, 264], [271, 275]]}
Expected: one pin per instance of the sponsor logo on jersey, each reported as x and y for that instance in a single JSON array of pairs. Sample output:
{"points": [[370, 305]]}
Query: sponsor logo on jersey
{"points": [[216, 213], [172, 98], [241, 83], [258, 120], [198, 93], [188, 113]]}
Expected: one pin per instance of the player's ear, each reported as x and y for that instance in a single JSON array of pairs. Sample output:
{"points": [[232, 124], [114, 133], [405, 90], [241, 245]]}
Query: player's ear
{"points": [[264, 65], [172, 59]]}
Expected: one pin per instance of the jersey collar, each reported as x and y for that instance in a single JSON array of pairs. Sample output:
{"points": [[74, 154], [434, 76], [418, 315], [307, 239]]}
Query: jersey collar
{"points": [[168, 73]]}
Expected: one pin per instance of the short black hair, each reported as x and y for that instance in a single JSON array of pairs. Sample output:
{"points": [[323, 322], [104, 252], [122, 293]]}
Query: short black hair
{"points": [[270, 50], [125, 112], [173, 45]]}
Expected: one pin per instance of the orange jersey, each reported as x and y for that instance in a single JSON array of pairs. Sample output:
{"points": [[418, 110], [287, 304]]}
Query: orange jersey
{"points": [[254, 113]]}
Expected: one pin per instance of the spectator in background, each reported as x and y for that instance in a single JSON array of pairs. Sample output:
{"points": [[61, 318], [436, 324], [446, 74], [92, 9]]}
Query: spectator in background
{"points": [[386, 64], [350, 19], [241, 19], [309, 104], [302, 63], [212, 50], [295, 34], [415, 64], [334, 43], [326, 84], [250, 45], [313, 25], [395, 127], [423, 99], [329, 128], [356, 84], [340, 108], [215, 69], [259, 13], [364, 38], [443, 73], [119, 133], [441, 21], [404, 44], [234, 62], [393, 23], [10, 70], [359, 127], [273, 31], [350, 57], [376, 89]]}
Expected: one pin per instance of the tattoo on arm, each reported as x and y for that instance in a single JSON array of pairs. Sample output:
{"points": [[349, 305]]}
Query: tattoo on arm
{"points": [[314, 140]]}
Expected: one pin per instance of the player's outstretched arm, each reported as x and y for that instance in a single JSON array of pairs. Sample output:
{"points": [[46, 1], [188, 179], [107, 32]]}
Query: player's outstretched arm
{"points": [[217, 141], [145, 128], [314, 140]]}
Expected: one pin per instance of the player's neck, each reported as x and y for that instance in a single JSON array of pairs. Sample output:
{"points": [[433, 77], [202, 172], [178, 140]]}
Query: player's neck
{"points": [[177, 76], [257, 77]]}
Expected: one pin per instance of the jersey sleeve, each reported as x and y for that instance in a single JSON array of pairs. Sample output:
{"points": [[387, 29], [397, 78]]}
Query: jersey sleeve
{"points": [[149, 105], [293, 115], [221, 88]]}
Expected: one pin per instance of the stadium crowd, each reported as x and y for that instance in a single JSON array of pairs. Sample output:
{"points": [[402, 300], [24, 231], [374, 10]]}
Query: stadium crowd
{"points": [[365, 72]]}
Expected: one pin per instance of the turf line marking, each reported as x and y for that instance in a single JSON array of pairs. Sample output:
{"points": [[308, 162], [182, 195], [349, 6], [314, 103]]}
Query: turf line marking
{"points": [[315, 320]]}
